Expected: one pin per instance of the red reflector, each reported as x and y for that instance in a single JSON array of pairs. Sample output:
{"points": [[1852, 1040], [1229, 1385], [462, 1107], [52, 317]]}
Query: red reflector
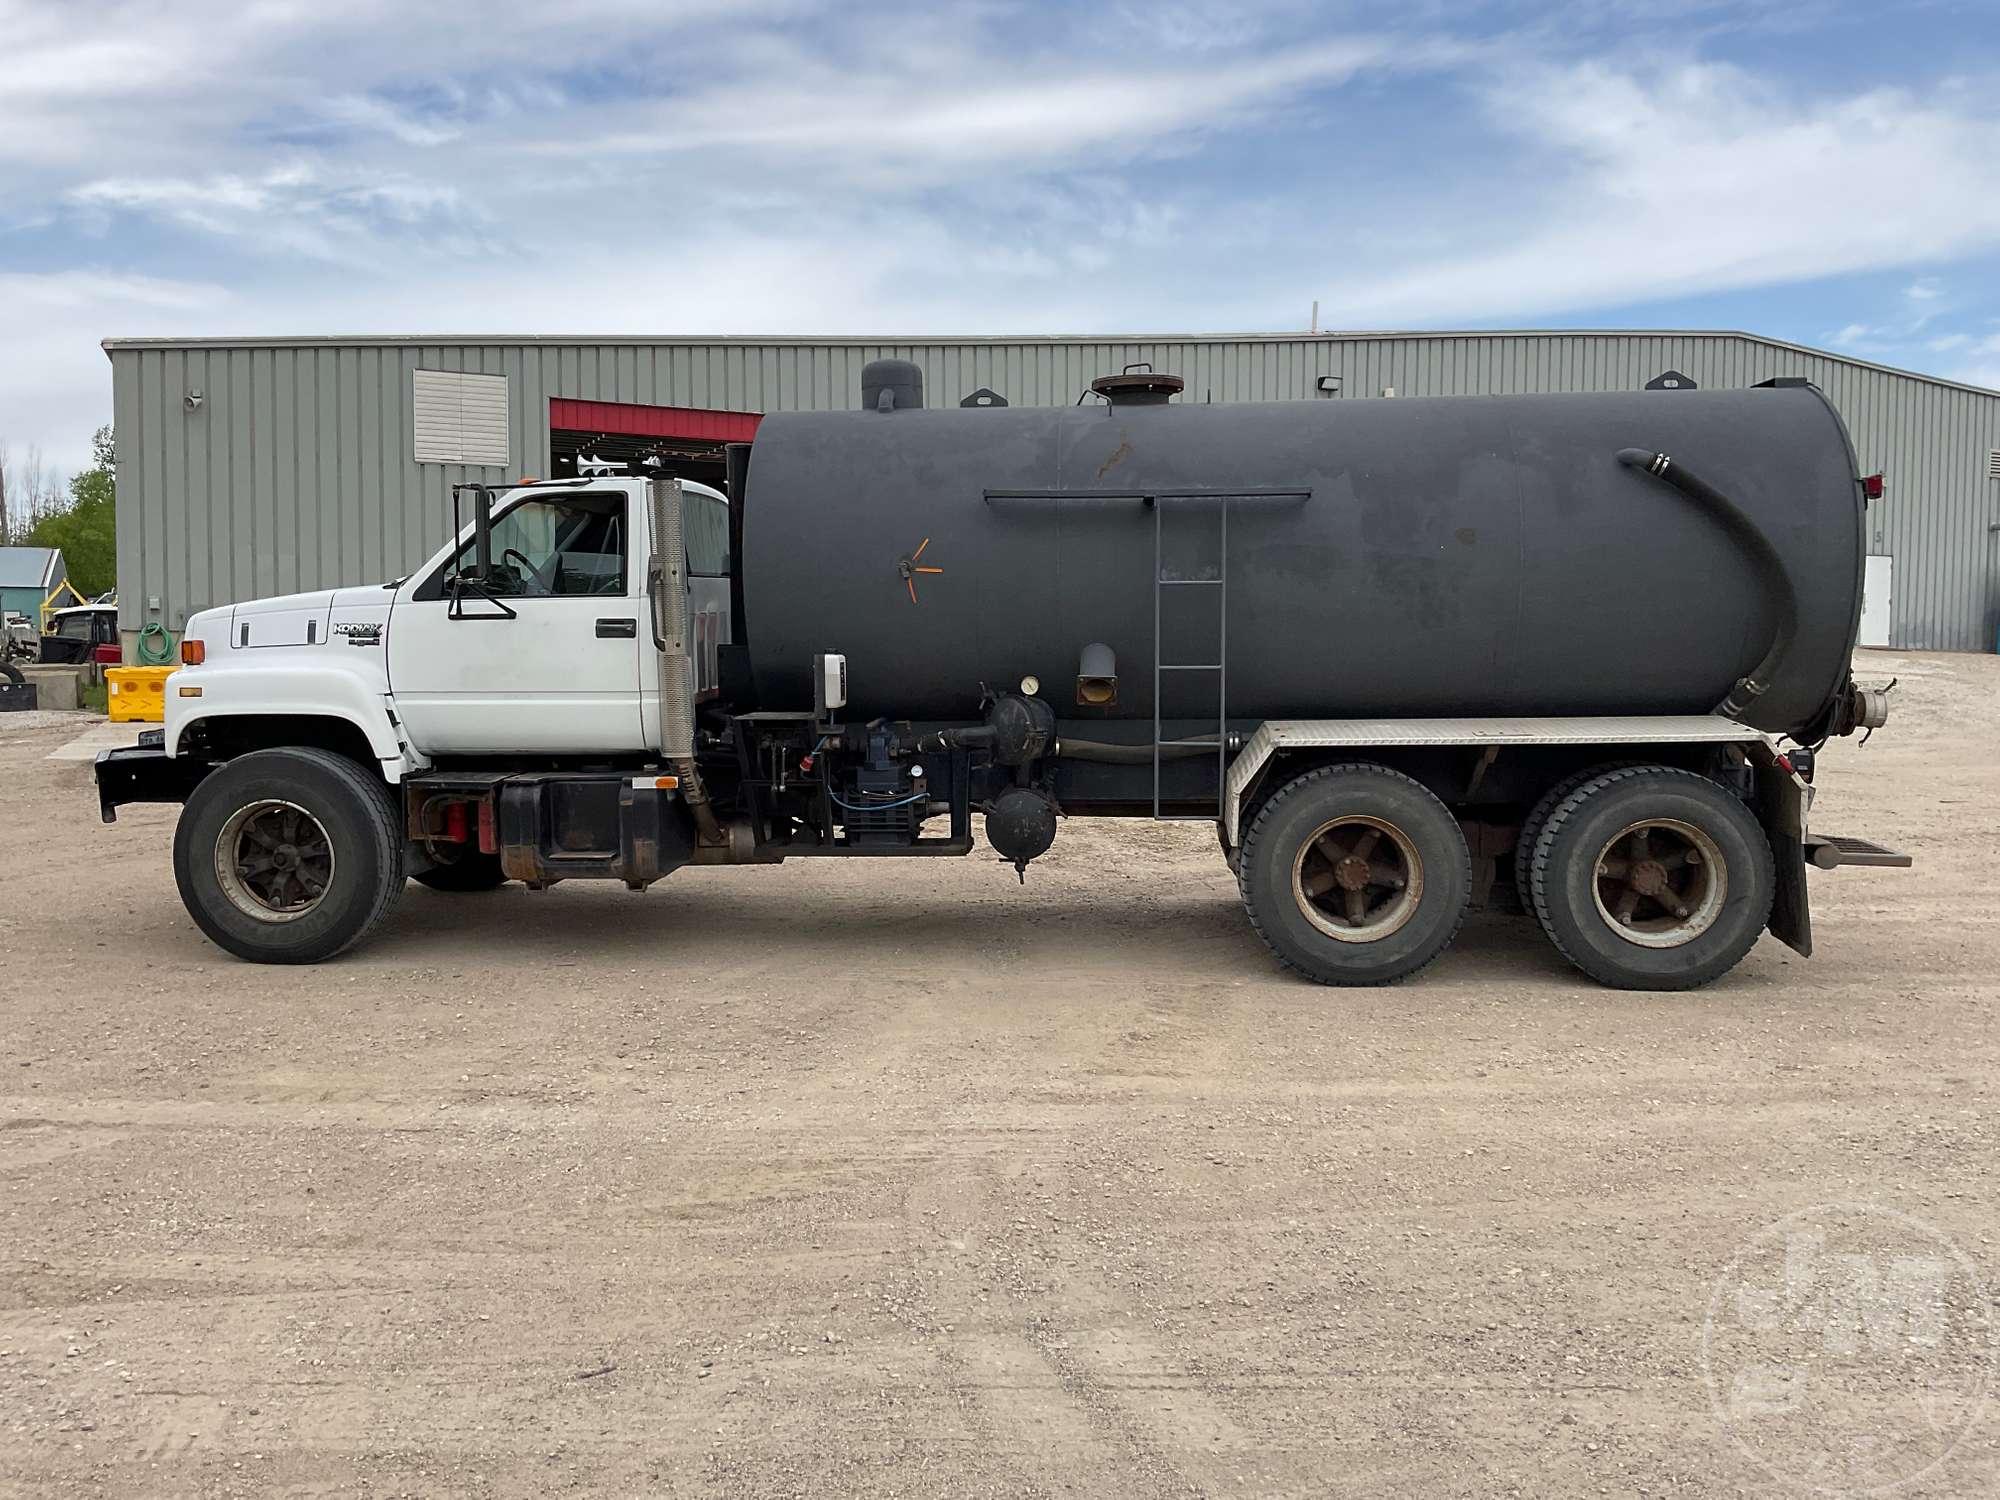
{"points": [[1871, 486], [108, 656], [1785, 764]]}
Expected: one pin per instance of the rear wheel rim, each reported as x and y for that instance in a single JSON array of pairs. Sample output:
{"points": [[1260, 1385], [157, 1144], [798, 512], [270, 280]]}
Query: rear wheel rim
{"points": [[1660, 882], [273, 860], [1358, 878]]}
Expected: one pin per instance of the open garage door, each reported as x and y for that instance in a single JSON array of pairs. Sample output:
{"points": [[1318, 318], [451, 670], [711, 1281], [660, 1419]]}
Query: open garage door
{"points": [[589, 438]]}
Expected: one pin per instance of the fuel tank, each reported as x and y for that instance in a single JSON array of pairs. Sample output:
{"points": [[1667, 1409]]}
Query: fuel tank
{"points": [[1339, 558]]}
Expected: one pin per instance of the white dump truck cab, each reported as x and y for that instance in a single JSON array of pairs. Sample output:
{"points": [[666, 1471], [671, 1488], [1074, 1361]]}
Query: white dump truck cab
{"points": [[536, 638], [544, 648]]}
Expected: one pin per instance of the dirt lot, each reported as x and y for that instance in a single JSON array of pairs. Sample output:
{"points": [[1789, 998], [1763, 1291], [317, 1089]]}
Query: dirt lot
{"points": [[902, 1179]]}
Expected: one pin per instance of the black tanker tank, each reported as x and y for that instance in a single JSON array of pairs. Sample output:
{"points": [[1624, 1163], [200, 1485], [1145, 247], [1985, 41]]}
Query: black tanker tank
{"points": [[1413, 557]]}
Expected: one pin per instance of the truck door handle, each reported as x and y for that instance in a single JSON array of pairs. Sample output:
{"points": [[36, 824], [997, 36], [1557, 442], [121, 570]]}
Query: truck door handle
{"points": [[618, 630]]}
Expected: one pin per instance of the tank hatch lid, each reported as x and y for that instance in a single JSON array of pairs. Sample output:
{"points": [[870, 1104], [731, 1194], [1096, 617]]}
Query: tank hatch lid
{"points": [[1138, 388]]}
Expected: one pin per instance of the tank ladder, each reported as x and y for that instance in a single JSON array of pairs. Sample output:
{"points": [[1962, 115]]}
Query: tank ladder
{"points": [[1219, 667], [1158, 500]]}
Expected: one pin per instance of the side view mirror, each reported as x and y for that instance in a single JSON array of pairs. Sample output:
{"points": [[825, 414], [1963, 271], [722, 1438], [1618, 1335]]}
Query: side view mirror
{"points": [[482, 531], [479, 580]]}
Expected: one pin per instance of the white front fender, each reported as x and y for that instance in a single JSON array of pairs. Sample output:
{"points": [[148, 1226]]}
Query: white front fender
{"points": [[287, 689]]}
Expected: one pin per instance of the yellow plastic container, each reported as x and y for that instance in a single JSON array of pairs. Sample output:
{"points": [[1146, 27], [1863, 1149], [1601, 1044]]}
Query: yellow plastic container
{"points": [[137, 695]]}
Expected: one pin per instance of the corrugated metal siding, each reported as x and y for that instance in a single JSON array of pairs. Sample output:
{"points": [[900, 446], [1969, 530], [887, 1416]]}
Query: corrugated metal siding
{"points": [[298, 469]]}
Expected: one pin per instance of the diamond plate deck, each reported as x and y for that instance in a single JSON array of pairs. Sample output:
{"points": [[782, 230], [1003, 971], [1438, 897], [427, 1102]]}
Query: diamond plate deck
{"points": [[1315, 734]]}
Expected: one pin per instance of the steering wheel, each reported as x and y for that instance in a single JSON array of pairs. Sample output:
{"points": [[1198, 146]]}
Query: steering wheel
{"points": [[526, 577]]}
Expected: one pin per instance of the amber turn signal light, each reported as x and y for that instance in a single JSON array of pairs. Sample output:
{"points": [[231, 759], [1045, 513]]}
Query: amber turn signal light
{"points": [[193, 653]]}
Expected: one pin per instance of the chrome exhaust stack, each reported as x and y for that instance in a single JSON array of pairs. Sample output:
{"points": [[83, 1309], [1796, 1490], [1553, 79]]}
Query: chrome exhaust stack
{"points": [[666, 588]]}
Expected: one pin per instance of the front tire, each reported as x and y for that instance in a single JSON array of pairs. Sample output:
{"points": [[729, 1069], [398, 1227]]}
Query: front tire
{"points": [[1652, 878], [289, 856], [1355, 874]]}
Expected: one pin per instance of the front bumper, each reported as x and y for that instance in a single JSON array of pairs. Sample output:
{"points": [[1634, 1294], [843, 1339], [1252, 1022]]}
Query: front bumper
{"points": [[144, 773]]}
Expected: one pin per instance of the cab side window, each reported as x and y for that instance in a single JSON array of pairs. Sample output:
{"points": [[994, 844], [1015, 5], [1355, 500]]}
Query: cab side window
{"points": [[705, 520], [553, 546]]}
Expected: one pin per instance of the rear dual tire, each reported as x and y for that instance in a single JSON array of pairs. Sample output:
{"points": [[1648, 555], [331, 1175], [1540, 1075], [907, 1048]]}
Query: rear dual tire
{"points": [[1644, 877], [1355, 874], [1652, 878]]}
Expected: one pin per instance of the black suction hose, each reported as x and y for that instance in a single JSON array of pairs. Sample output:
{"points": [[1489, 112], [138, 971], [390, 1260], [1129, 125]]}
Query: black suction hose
{"points": [[982, 736], [1129, 755], [1762, 554]]}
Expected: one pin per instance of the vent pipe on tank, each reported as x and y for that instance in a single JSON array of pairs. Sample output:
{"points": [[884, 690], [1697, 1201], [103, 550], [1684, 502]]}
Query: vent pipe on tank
{"points": [[891, 385]]}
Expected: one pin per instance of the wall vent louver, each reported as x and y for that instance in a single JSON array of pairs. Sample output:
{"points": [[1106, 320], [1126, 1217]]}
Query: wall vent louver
{"points": [[459, 418]]}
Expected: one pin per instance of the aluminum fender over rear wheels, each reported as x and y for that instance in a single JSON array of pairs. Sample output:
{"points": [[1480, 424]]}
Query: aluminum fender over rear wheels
{"points": [[289, 856], [1652, 878], [1355, 874]]}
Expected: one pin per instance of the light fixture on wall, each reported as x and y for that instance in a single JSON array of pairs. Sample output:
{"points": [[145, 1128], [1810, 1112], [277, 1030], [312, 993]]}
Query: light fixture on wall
{"points": [[192, 401], [1329, 385]]}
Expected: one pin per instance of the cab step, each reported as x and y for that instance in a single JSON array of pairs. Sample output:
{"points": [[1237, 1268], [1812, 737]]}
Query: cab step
{"points": [[1830, 850]]}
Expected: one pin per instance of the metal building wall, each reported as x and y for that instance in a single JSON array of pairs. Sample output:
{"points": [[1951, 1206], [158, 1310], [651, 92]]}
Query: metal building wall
{"points": [[295, 471]]}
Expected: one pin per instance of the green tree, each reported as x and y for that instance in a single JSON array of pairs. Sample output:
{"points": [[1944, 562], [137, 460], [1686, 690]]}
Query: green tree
{"points": [[86, 529]]}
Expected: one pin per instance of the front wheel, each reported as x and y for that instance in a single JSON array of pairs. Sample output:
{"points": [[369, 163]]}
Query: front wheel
{"points": [[1355, 874], [1652, 878], [288, 856]]}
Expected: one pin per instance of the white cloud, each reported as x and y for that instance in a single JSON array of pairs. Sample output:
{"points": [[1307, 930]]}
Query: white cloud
{"points": [[55, 383], [297, 208], [371, 114], [124, 291], [944, 111], [1702, 179], [619, 166]]}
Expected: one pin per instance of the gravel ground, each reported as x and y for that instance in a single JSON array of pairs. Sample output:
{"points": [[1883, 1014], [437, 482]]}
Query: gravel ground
{"points": [[899, 1178]]}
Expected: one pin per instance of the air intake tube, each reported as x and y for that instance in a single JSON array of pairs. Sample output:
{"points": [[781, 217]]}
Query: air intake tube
{"points": [[1770, 568]]}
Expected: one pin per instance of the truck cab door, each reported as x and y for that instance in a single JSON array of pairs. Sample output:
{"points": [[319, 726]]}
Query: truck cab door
{"points": [[542, 655]]}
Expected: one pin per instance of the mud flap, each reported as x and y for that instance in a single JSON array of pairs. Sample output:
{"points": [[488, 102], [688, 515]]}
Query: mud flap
{"points": [[1782, 797]]}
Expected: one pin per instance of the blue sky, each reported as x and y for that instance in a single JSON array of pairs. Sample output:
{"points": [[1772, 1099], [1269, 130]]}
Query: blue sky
{"points": [[1816, 170]]}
